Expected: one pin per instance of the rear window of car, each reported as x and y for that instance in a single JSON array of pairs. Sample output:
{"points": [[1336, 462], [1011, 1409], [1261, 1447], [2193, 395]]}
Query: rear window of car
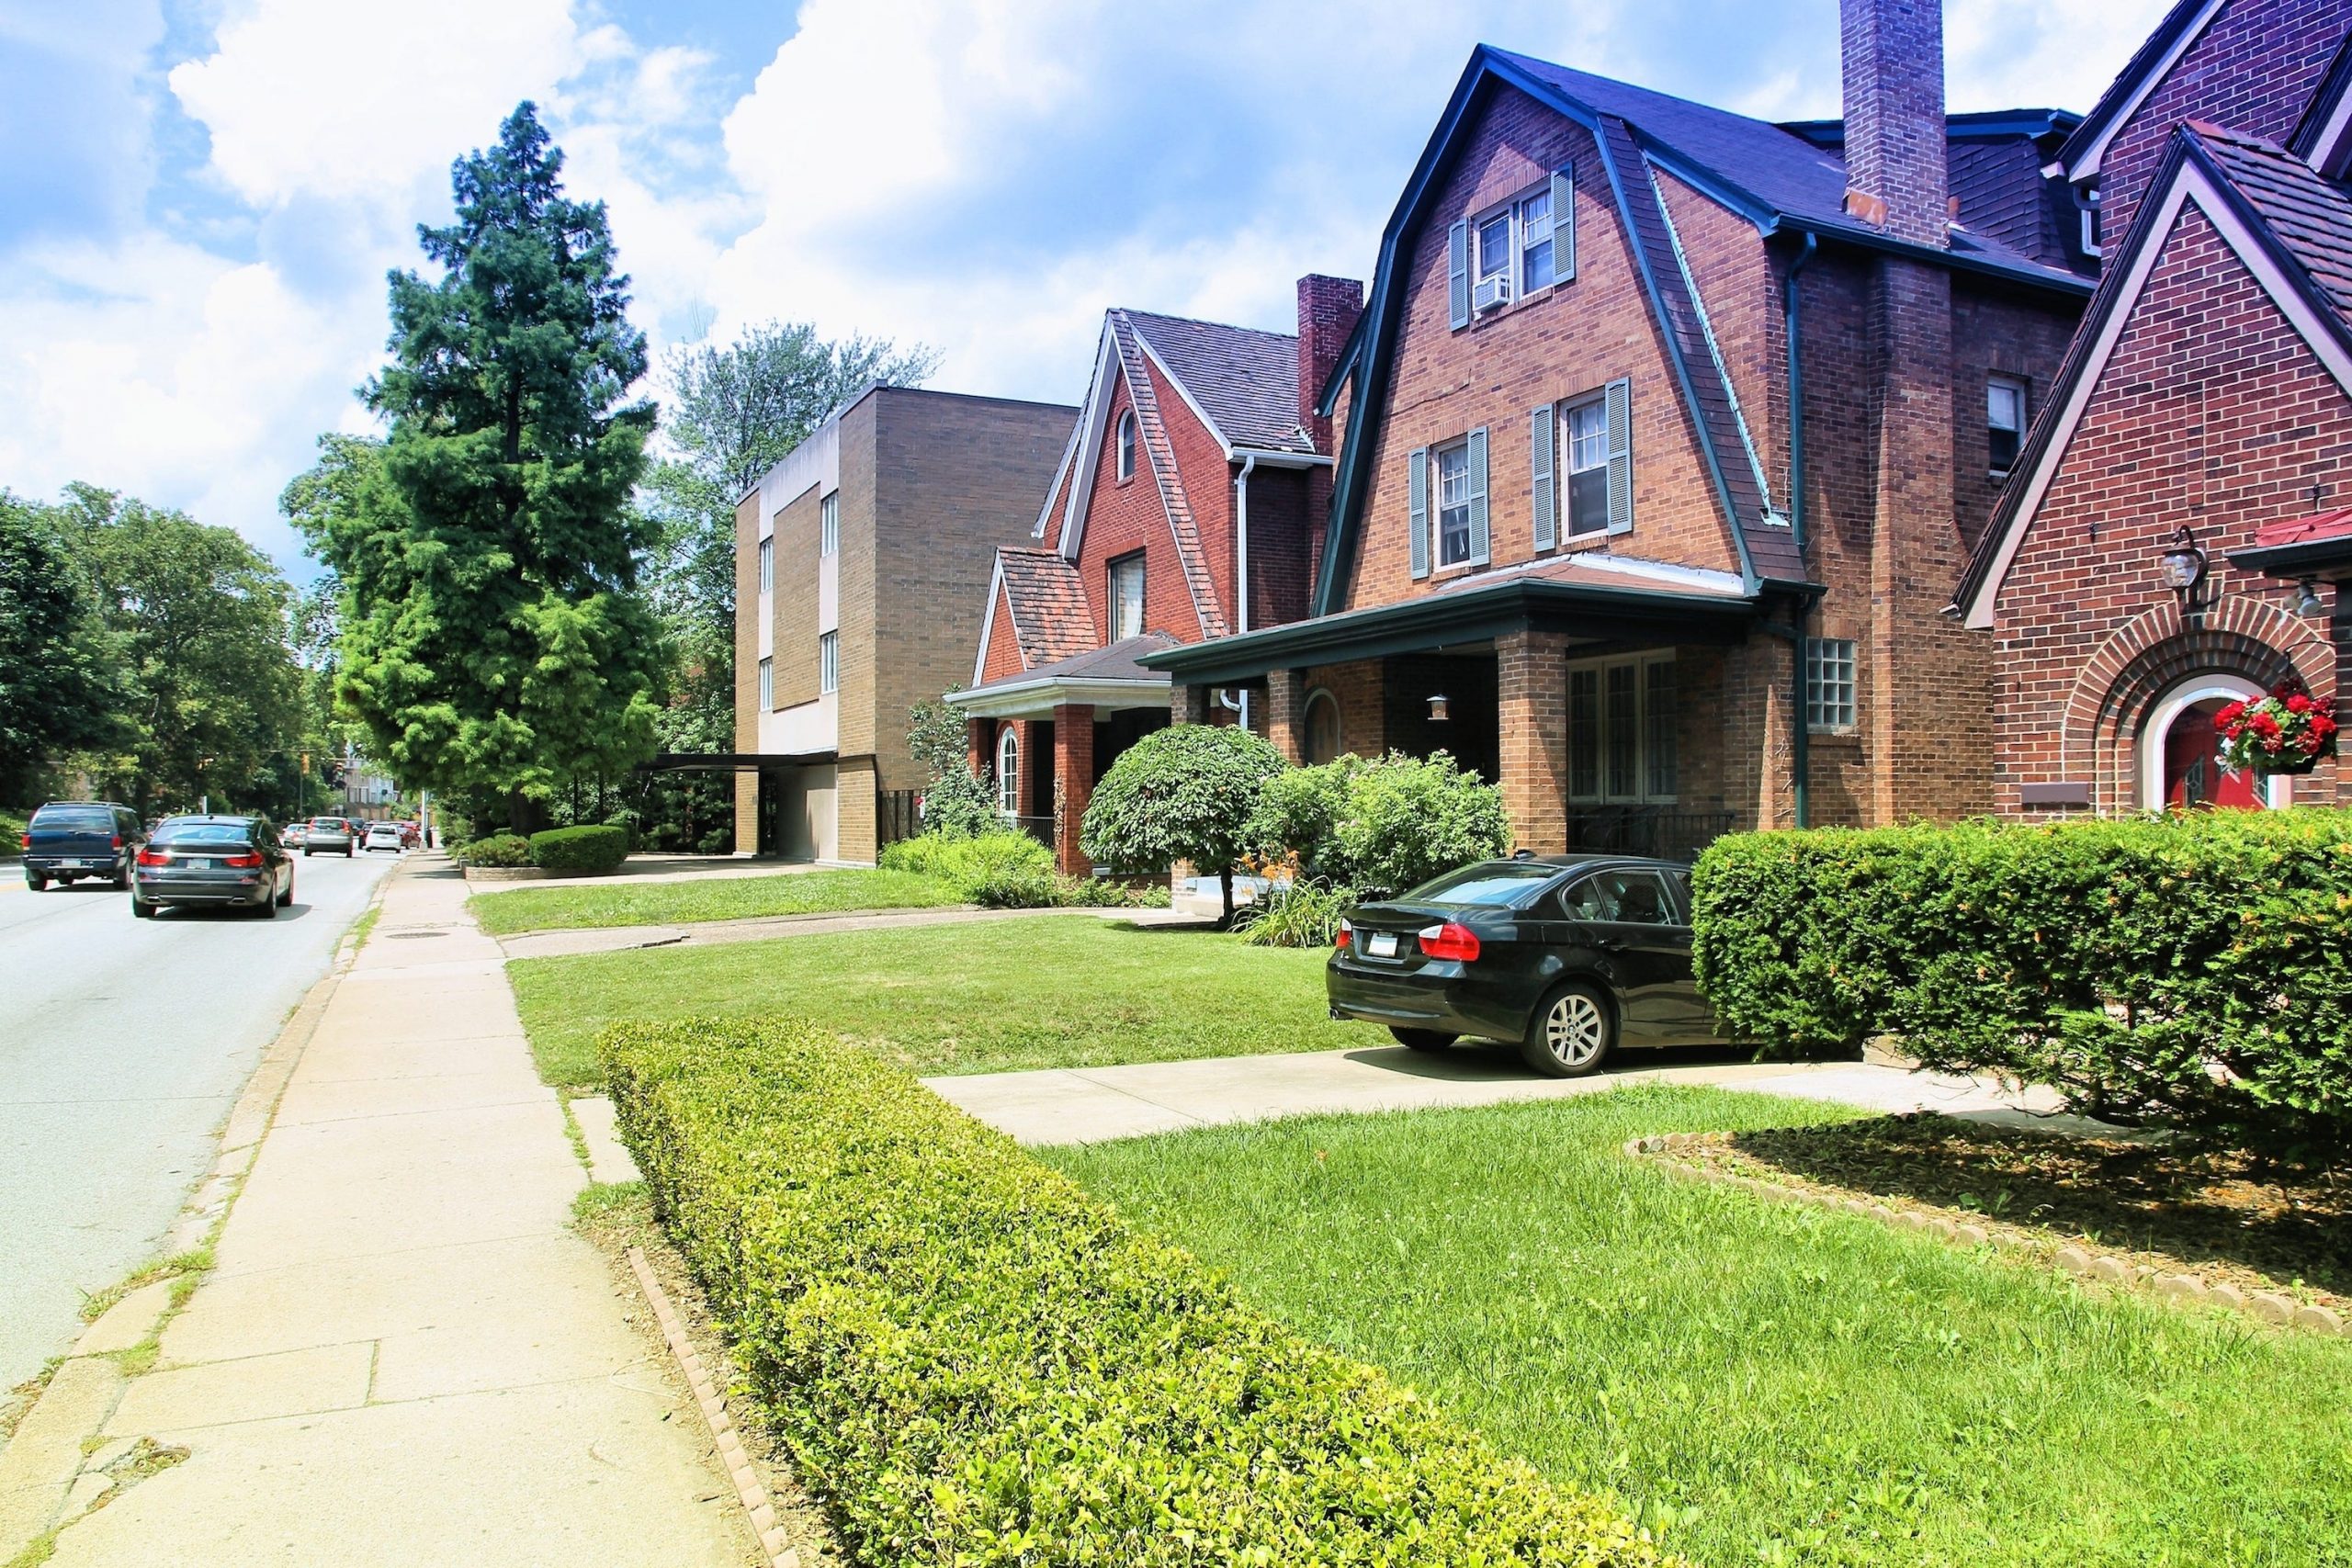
{"points": [[75, 818], [328, 824], [204, 833], [1500, 884]]}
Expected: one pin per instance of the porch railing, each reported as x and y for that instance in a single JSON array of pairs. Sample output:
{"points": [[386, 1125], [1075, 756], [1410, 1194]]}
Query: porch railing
{"points": [[1657, 831], [1038, 828], [895, 816]]}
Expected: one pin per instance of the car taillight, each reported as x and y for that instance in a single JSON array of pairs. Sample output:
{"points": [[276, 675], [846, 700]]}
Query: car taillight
{"points": [[246, 863], [24, 841], [1448, 941], [118, 840], [154, 857], [1340, 938]]}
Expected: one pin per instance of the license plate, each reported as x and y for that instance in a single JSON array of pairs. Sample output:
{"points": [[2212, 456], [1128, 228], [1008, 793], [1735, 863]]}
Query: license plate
{"points": [[197, 864], [73, 865], [1381, 944]]}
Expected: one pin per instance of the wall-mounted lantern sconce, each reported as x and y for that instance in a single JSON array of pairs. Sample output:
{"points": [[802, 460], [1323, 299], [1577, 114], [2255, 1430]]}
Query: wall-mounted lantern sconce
{"points": [[2181, 568], [1437, 714], [2308, 602]]}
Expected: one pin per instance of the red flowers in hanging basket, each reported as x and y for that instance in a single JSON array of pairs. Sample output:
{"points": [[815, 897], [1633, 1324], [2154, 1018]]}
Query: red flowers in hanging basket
{"points": [[2285, 732]]}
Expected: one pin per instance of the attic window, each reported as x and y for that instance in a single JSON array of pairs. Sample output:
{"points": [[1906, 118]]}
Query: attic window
{"points": [[1126, 446], [2004, 421], [2086, 201]]}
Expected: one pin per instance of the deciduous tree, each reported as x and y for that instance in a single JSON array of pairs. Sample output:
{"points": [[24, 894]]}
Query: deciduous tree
{"points": [[1184, 793]]}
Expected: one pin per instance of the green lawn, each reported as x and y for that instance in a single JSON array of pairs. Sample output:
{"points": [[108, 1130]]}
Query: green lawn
{"points": [[1766, 1382], [710, 898], [1046, 991]]}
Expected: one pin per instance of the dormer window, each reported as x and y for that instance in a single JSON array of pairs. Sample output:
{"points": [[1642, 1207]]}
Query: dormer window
{"points": [[1126, 446], [2086, 201]]}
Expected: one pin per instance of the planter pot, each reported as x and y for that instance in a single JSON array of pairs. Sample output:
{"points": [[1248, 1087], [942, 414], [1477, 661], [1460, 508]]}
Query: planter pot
{"points": [[2292, 769]]}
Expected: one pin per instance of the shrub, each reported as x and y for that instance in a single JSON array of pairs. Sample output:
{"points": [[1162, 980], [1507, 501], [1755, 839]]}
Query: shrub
{"points": [[1302, 912], [499, 848], [2188, 971], [1184, 793], [1299, 812], [1410, 818], [961, 804], [588, 848], [996, 858], [976, 1363]]}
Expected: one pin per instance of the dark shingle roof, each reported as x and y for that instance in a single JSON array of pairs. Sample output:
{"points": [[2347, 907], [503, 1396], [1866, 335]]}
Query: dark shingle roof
{"points": [[1116, 662], [1048, 601], [1244, 379], [2311, 218]]}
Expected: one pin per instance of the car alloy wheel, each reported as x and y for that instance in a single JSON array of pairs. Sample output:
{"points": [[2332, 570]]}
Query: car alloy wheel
{"points": [[1570, 1034]]}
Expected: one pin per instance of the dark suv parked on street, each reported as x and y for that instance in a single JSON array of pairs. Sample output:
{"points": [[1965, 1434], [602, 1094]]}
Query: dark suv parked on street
{"points": [[69, 840]]}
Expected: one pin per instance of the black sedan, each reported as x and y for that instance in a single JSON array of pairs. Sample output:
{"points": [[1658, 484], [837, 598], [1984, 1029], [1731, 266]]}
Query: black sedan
{"points": [[1568, 957], [224, 862]]}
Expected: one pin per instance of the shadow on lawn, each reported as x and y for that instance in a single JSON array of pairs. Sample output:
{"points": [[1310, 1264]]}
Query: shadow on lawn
{"points": [[2201, 1207]]}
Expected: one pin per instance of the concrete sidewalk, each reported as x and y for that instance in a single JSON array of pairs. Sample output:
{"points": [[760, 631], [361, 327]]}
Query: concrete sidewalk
{"points": [[404, 1355], [1093, 1104]]}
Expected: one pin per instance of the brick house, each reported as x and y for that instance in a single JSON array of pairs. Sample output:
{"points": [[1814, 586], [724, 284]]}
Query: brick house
{"points": [[1187, 505], [2204, 412], [1661, 434], [859, 561]]}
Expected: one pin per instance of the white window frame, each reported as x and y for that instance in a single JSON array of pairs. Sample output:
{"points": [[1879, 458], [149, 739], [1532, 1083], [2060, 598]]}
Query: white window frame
{"points": [[1513, 263], [1122, 445], [1008, 770], [2086, 207], [767, 686], [1832, 686], [829, 524], [1644, 793], [767, 565], [828, 662], [1597, 407], [1132, 560], [2016, 387], [1438, 455]]}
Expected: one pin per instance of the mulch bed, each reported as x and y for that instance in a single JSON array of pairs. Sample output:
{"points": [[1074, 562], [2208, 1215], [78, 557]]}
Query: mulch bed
{"points": [[2217, 1215]]}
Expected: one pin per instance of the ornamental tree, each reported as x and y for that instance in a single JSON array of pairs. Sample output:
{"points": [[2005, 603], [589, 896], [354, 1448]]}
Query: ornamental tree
{"points": [[1185, 793]]}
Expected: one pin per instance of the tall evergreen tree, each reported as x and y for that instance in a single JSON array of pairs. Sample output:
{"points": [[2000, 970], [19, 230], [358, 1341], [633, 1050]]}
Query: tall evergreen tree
{"points": [[494, 640]]}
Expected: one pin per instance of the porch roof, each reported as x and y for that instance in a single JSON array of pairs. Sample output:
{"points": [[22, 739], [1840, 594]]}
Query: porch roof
{"points": [[2318, 547], [1587, 601], [1109, 677]]}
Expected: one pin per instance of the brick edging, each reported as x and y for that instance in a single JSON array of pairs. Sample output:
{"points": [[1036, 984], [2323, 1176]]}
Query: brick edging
{"points": [[749, 1488], [2188, 1290]]}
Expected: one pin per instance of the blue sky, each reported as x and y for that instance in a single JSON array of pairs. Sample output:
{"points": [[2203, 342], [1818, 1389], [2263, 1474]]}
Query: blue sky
{"points": [[199, 198]]}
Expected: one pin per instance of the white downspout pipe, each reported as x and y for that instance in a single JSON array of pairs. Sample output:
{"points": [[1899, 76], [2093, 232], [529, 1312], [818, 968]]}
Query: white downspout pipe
{"points": [[1241, 559]]}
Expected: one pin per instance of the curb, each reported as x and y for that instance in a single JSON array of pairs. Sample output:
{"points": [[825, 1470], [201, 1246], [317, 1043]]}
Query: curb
{"points": [[749, 1488], [2080, 1262]]}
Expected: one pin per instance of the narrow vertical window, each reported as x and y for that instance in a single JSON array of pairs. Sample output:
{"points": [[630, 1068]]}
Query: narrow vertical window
{"points": [[1584, 733], [767, 686], [1621, 719], [1585, 458], [828, 662], [1535, 254], [1126, 446], [1829, 684], [829, 524], [1453, 504], [2005, 421], [767, 565], [1008, 772], [1127, 597], [1657, 728]]}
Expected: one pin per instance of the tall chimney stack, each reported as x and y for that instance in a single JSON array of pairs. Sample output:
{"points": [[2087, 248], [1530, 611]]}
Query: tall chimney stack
{"points": [[1893, 60], [1327, 308]]}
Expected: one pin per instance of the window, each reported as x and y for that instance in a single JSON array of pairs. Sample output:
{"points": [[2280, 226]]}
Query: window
{"points": [[1584, 441], [1127, 597], [1453, 464], [829, 524], [1008, 770], [767, 565], [1322, 728], [767, 686], [2004, 418], [1504, 885], [828, 662], [1829, 684], [1494, 245], [1621, 717], [2087, 204], [1632, 898], [1514, 242], [1126, 446]]}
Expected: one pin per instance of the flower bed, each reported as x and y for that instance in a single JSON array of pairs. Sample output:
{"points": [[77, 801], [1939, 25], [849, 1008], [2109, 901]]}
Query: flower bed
{"points": [[978, 1364]]}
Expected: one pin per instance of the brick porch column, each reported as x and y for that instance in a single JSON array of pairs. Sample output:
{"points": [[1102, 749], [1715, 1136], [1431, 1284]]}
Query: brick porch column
{"points": [[1532, 700], [1073, 784], [1286, 712], [1188, 705]]}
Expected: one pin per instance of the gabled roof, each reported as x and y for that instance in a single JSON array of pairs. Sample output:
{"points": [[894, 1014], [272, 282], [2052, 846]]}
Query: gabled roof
{"points": [[1103, 678], [2149, 64], [2291, 228], [2323, 138], [1051, 618], [1244, 382]]}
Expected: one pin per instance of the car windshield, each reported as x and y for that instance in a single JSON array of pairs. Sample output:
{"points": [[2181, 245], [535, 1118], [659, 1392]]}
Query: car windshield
{"points": [[75, 818], [204, 833], [1495, 882]]}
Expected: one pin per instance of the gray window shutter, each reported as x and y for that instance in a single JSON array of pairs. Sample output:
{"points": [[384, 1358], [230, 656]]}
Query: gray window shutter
{"points": [[1457, 274], [1540, 447], [1479, 552], [1620, 397], [1564, 223], [1417, 507]]}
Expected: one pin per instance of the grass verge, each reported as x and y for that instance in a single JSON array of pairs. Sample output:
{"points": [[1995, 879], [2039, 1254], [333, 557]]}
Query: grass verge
{"points": [[1052, 991], [1759, 1382], [710, 898], [365, 926]]}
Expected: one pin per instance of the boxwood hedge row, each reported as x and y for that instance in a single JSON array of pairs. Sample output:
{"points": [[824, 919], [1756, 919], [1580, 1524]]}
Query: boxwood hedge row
{"points": [[592, 847], [2191, 971], [976, 1363]]}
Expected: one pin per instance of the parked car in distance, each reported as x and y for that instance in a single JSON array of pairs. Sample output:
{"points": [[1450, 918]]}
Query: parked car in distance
{"points": [[335, 835], [234, 861], [69, 840], [385, 836], [411, 834], [1567, 956]]}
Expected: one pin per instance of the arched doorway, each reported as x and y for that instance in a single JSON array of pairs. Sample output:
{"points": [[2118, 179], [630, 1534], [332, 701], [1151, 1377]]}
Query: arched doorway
{"points": [[2181, 763], [1322, 726]]}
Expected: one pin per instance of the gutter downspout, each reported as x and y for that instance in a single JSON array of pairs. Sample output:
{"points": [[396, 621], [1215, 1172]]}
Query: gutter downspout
{"points": [[1241, 560], [1800, 732]]}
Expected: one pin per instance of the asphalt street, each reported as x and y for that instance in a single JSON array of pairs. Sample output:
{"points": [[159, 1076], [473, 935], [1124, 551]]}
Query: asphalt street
{"points": [[123, 1044]]}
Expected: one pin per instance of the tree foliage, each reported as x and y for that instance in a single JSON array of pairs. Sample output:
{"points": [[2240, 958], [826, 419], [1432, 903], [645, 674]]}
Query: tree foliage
{"points": [[57, 673], [956, 802], [495, 637], [1185, 793]]}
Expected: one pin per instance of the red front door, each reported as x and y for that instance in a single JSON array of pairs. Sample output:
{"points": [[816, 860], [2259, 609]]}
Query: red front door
{"points": [[2193, 772]]}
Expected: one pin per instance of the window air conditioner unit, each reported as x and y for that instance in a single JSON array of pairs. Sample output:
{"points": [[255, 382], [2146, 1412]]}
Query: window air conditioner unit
{"points": [[1491, 294]]}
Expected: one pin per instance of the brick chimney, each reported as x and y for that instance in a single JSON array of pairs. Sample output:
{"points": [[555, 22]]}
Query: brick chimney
{"points": [[1327, 308], [1893, 60]]}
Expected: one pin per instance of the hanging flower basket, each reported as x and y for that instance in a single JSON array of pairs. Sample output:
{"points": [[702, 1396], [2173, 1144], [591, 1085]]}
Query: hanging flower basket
{"points": [[2286, 732]]}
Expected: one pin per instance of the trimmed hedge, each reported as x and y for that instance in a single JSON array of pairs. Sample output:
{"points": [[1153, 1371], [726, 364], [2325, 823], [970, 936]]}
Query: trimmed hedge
{"points": [[976, 1363], [2187, 970], [499, 848], [588, 848]]}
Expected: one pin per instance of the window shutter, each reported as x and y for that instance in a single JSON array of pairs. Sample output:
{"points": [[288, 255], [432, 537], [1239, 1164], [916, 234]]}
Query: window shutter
{"points": [[1479, 552], [1620, 398], [1457, 274], [1564, 223], [1417, 507], [1540, 447]]}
